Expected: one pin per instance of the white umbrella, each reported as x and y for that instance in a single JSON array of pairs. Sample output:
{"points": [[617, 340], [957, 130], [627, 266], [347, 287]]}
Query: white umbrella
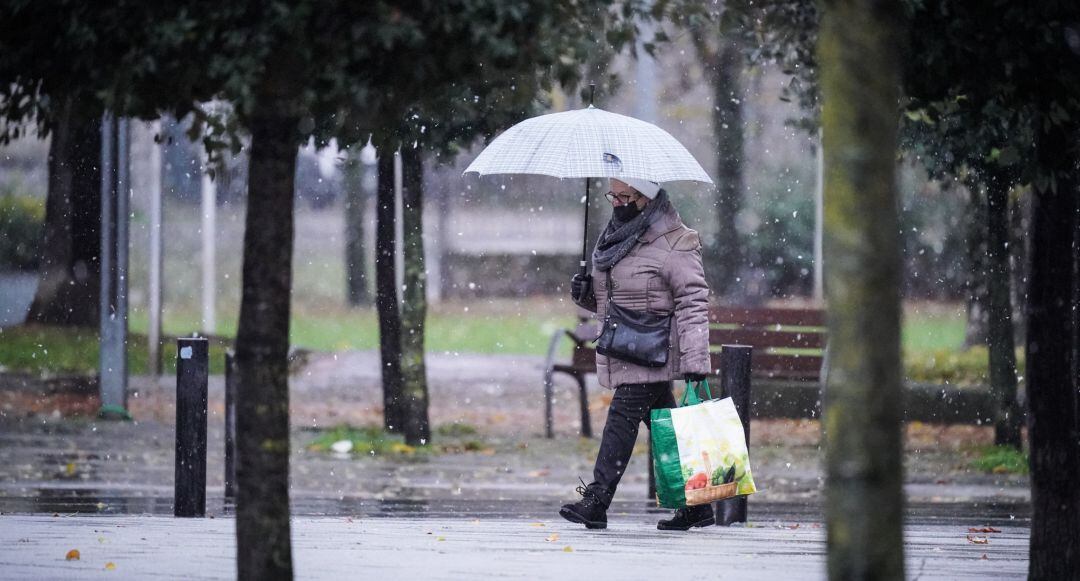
{"points": [[589, 143]]}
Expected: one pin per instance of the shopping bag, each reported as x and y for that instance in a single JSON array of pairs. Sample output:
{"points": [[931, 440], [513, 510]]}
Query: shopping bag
{"points": [[699, 451]]}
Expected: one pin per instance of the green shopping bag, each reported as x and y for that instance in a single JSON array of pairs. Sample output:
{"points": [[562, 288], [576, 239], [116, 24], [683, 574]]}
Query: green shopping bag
{"points": [[699, 451]]}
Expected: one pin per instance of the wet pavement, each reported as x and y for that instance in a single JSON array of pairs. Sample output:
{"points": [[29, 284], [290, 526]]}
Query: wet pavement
{"points": [[67, 466], [105, 488], [439, 548]]}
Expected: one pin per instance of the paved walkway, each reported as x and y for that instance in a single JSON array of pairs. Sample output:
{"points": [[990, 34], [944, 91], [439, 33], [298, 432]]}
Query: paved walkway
{"points": [[489, 511], [408, 548]]}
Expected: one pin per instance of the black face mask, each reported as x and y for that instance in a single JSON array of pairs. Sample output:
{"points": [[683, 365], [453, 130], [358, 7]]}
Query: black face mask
{"points": [[626, 212]]}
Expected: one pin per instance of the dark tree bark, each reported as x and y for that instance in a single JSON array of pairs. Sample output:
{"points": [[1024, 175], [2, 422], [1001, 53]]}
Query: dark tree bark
{"points": [[858, 51], [386, 298], [1053, 423], [1008, 419], [262, 339], [1019, 245], [723, 67], [414, 302], [355, 263], [70, 285], [978, 320]]}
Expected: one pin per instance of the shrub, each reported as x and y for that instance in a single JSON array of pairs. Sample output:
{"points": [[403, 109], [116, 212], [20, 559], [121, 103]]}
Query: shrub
{"points": [[22, 223], [1001, 460], [946, 366]]}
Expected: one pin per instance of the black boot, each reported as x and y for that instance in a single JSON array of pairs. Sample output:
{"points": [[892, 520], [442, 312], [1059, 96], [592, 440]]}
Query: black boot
{"points": [[589, 511], [687, 518]]}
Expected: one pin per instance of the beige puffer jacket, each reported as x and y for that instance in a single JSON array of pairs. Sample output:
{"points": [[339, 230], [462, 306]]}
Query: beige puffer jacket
{"points": [[661, 274]]}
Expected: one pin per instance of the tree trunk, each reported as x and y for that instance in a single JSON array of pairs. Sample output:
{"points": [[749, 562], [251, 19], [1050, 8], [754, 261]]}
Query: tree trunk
{"points": [[262, 347], [70, 285], [355, 200], [1000, 337], [859, 48], [386, 301], [1019, 246], [1053, 425], [978, 320], [727, 253], [414, 302]]}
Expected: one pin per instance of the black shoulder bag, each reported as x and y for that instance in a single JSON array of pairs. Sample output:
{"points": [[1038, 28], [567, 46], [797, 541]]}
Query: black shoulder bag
{"points": [[633, 336]]}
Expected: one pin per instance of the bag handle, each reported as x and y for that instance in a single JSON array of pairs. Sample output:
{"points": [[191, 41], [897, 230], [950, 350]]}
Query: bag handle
{"points": [[691, 393]]}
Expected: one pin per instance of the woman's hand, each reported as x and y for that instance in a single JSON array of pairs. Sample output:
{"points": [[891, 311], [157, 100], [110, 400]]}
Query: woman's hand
{"points": [[580, 287]]}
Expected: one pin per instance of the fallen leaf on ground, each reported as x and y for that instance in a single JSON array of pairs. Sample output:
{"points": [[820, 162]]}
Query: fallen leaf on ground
{"points": [[72, 555], [978, 540], [984, 557], [440, 538], [110, 566], [539, 473], [552, 537], [568, 549], [536, 524], [983, 530]]}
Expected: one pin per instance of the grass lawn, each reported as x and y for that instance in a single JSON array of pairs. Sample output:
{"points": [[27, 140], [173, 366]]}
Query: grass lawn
{"points": [[495, 326], [485, 326], [59, 350], [933, 327]]}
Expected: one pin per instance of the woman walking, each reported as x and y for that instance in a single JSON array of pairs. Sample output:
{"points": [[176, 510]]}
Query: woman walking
{"points": [[646, 263]]}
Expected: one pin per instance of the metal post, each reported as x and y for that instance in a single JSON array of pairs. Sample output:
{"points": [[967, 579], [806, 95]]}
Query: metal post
{"points": [[192, 367], [106, 367], [652, 474], [819, 221], [112, 359], [231, 379], [399, 232], [153, 332], [586, 422], [122, 224], [735, 383], [209, 211]]}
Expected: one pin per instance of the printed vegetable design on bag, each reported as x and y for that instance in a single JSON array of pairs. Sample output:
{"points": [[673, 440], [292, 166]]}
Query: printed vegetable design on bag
{"points": [[700, 453], [710, 484]]}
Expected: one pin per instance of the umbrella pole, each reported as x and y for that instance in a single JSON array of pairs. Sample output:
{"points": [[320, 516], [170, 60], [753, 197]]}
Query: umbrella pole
{"points": [[585, 235]]}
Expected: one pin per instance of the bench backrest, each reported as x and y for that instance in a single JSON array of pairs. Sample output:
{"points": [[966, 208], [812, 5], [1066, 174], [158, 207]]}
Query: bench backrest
{"points": [[788, 344]]}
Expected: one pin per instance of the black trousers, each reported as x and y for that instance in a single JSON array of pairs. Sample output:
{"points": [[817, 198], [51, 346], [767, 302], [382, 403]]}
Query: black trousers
{"points": [[629, 407]]}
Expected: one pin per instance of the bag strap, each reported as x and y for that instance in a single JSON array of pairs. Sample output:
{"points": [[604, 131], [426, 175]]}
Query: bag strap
{"points": [[691, 393]]}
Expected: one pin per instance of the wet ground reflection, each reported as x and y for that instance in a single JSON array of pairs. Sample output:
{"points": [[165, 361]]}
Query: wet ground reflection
{"points": [[91, 501]]}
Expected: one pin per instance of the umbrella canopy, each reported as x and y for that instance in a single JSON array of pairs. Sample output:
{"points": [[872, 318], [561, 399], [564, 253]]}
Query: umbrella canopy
{"points": [[588, 143]]}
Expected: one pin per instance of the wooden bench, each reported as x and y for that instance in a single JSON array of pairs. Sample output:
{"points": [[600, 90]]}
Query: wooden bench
{"points": [[789, 345]]}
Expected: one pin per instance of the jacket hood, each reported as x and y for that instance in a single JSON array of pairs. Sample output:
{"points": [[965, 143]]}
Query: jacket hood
{"points": [[667, 221]]}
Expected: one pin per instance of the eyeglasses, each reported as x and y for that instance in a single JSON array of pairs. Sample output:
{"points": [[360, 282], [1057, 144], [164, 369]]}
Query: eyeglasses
{"points": [[623, 199]]}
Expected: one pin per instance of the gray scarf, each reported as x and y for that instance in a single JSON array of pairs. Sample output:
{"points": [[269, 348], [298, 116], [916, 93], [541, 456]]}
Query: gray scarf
{"points": [[619, 237]]}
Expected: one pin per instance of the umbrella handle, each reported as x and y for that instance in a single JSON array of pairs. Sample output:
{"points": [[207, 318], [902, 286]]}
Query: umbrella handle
{"points": [[584, 268]]}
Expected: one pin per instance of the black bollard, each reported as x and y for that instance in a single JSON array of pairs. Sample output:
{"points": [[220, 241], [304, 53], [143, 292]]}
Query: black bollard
{"points": [[231, 379], [652, 474], [735, 383], [192, 369]]}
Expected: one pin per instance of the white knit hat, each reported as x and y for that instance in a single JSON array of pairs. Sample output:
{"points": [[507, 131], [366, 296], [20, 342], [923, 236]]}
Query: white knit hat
{"points": [[647, 188]]}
